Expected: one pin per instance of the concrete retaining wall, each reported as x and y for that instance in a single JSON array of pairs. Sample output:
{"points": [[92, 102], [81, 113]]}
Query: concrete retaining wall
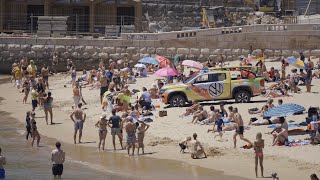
{"points": [[198, 45]]}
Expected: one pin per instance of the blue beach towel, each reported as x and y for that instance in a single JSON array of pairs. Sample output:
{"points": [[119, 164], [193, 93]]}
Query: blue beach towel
{"points": [[284, 110], [289, 125]]}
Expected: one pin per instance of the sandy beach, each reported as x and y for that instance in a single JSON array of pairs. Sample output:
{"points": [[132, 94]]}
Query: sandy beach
{"points": [[161, 140]]}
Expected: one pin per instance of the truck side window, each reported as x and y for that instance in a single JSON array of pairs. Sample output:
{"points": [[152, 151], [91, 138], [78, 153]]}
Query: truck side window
{"points": [[217, 77], [202, 79]]}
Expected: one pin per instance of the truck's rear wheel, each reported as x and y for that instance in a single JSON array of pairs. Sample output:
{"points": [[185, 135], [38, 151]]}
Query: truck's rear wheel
{"points": [[177, 101], [242, 97]]}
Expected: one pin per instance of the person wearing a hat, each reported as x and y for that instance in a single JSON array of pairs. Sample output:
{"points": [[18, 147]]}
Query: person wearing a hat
{"points": [[102, 125], [141, 132], [32, 68]]}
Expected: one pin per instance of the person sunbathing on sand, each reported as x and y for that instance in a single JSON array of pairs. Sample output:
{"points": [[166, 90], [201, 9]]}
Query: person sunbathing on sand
{"points": [[200, 115], [196, 148], [192, 109]]}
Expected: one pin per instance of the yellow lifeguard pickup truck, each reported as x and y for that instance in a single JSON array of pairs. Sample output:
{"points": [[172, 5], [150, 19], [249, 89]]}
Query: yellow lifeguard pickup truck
{"points": [[214, 85]]}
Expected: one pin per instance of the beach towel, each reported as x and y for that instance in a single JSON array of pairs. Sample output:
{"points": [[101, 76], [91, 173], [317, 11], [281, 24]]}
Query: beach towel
{"points": [[284, 110], [273, 126]]}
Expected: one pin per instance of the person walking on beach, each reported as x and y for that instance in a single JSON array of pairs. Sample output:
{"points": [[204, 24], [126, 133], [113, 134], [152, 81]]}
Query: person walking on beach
{"points": [[26, 90], [258, 146], [28, 125], [141, 132], [80, 118], [196, 148], [34, 130], [239, 127], [131, 134], [47, 107], [57, 159], [102, 125], [34, 99], [76, 95], [45, 75], [104, 81], [2, 163], [115, 123]]}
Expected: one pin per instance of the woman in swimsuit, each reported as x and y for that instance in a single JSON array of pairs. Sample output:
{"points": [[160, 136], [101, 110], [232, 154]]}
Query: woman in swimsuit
{"points": [[134, 112], [47, 106], [26, 89], [34, 129], [258, 146], [102, 125], [141, 131]]}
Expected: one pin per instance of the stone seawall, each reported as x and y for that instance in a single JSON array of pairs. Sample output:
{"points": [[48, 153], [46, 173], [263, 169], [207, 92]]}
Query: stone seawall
{"points": [[200, 45]]}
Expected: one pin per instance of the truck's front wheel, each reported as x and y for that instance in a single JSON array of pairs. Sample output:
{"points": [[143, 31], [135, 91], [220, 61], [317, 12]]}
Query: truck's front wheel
{"points": [[177, 101], [242, 97]]}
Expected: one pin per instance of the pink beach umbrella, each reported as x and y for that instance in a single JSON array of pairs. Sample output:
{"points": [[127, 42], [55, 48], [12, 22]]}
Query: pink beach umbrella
{"points": [[166, 72], [192, 64], [163, 61]]}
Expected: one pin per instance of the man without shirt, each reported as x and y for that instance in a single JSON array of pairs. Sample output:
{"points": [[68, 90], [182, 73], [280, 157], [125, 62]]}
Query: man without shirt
{"points": [[57, 159], [115, 125], [196, 148], [80, 118], [239, 127], [131, 134]]}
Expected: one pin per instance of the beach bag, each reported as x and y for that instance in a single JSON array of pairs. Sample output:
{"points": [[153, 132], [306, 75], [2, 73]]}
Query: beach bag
{"points": [[163, 113]]}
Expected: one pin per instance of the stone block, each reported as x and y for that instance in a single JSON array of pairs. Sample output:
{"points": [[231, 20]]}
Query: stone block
{"points": [[236, 51], [143, 50], [66, 55], [89, 49], [216, 51], [195, 51], [183, 51], [31, 55], [268, 52], [315, 52], [3, 47], [135, 57], [14, 47], [172, 50], [48, 48], [103, 56], [60, 49], [115, 56], [201, 58], [86, 55], [109, 50], [151, 50], [161, 51], [286, 53], [37, 48], [75, 55], [205, 51], [306, 53], [123, 55], [277, 53], [295, 53], [131, 50], [95, 56], [226, 51], [257, 52], [5, 54]]}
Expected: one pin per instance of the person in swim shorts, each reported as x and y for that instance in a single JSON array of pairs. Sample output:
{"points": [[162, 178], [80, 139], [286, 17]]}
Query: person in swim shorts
{"points": [[141, 132], [115, 123], [79, 119], [239, 127], [57, 159], [131, 135]]}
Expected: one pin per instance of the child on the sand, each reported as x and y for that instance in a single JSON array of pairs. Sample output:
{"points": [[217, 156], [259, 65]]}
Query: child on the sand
{"points": [[184, 144], [258, 146]]}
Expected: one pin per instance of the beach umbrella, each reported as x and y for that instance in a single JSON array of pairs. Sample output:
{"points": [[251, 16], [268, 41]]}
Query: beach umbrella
{"points": [[284, 110], [163, 61], [166, 72], [149, 60], [140, 66], [192, 64], [296, 62]]}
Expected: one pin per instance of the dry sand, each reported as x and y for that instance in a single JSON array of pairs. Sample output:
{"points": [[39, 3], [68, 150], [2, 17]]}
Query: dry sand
{"points": [[165, 132]]}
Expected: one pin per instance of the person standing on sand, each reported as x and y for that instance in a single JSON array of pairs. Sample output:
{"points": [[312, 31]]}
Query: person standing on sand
{"points": [[34, 99], [34, 130], [196, 148], [45, 75], [58, 157], [102, 125], [26, 90], [239, 127], [115, 123], [28, 125], [131, 134], [80, 118], [47, 107], [258, 146], [142, 129], [76, 95], [2, 163], [308, 78], [104, 81]]}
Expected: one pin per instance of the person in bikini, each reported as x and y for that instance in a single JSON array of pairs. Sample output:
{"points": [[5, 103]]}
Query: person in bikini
{"points": [[239, 127], [141, 132], [34, 129], [200, 115], [76, 95], [79, 119], [26, 90], [102, 125], [130, 128], [45, 75], [47, 107], [258, 146]]}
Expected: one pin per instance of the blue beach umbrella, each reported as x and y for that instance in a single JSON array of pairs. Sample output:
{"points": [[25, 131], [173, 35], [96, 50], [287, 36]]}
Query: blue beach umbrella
{"points": [[149, 60], [284, 110]]}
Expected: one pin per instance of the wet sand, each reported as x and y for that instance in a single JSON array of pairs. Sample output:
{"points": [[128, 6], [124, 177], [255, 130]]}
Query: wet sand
{"points": [[25, 162]]}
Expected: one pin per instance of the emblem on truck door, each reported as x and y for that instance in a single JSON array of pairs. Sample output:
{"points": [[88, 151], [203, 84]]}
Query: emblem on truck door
{"points": [[216, 89]]}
